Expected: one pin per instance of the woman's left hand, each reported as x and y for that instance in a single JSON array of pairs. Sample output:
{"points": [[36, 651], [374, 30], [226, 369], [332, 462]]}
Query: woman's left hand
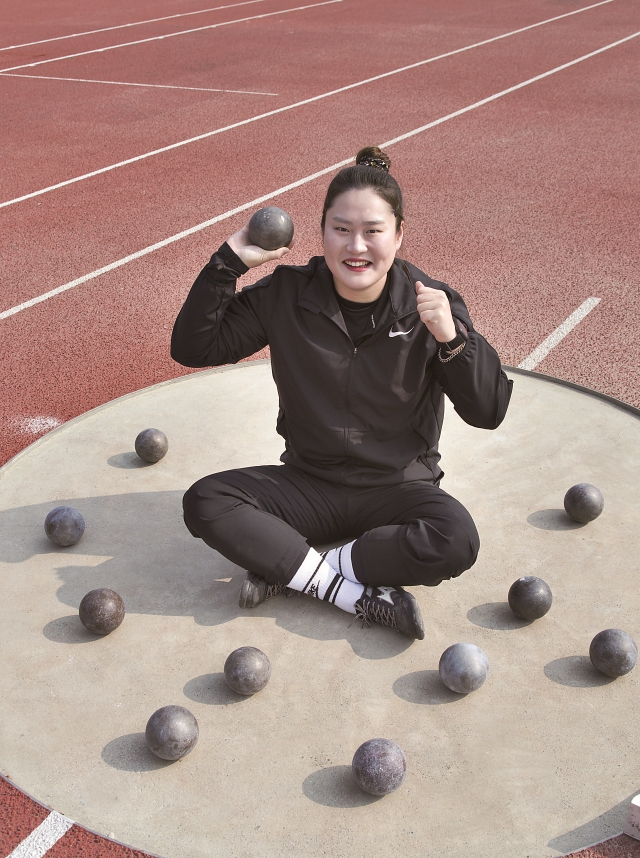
{"points": [[435, 312]]}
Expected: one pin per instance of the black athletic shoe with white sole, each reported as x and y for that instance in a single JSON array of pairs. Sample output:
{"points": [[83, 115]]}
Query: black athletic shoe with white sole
{"points": [[255, 590], [392, 607]]}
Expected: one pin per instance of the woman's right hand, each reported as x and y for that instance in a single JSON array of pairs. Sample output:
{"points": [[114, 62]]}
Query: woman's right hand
{"points": [[251, 254]]}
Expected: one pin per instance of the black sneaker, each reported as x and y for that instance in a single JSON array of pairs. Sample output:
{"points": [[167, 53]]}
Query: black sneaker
{"points": [[255, 591], [393, 607]]}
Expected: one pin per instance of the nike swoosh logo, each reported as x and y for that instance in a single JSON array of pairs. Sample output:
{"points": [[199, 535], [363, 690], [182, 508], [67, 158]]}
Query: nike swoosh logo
{"points": [[400, 333]]}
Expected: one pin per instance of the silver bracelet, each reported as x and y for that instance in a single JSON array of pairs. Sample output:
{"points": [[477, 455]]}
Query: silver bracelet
{"points": [[452, 354]]}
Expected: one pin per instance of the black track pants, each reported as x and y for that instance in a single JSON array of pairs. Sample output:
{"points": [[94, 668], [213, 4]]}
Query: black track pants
{"points": [[264, 519]]}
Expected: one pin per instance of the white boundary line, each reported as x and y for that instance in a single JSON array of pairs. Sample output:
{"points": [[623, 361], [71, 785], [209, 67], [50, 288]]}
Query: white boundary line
{"points": [[153, 85], [287, 107], [199, 227], [132, 24], [539, 354], [43, 838], [170, 35]]}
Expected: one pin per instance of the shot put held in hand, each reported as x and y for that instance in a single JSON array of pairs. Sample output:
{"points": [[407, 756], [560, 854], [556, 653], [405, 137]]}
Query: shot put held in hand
{"points": [[364, 347], [270, 228]]}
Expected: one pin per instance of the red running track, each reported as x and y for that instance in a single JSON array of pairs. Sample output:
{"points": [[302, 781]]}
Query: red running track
{"points": [[20, 816], [528, 204]]}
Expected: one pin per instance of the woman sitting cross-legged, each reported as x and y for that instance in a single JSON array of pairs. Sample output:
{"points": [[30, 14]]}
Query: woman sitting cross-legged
{"points": [[363, 348]]}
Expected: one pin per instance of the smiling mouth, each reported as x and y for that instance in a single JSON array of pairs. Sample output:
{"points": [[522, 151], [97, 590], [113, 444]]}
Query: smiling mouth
{"points": [[357, 264]]}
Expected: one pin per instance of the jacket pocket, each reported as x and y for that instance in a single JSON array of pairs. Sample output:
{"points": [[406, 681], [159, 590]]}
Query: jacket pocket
{"points": [[281, 425], [429, 456], [312, 441]]}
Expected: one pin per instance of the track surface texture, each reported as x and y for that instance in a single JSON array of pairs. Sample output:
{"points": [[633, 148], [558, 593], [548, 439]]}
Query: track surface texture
{"points": [[128, 124]]}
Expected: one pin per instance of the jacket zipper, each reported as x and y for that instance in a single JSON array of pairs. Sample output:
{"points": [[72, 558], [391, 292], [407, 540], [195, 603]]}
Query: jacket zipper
{"points": [[375, 335], [349, 380]]}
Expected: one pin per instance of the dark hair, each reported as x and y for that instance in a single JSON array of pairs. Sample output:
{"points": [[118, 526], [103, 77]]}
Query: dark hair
{"points": [[371, 170]]}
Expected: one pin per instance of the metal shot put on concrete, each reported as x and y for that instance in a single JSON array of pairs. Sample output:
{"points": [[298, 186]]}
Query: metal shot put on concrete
{"points": [[463, 667], [530, 597], [613, 652], [64, 526], [583, 502], [101, 611], [364, 347], [247, 670], [151, 445], [379, 766], [172, 732]]}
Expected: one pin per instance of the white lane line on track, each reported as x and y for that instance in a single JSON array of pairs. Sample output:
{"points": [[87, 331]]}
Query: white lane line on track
{"points": [[287, 107], [43, 837], [539, 354], [132, 24], [152, 85], [259, 200], [171, 35], [511, 89]]}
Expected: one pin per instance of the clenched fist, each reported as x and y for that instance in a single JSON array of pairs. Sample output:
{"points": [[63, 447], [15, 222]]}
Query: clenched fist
{"points": [[435, 312]]}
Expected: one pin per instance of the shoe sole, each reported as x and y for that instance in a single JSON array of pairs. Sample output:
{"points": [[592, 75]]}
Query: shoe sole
{"points": [[247, 598], [415, 618]]}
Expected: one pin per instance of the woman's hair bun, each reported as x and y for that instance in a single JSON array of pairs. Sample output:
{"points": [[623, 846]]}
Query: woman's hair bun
{"points": [[372, 156]]}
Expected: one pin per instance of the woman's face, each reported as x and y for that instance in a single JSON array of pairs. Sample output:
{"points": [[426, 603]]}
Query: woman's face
{"points": [[360, 243]]}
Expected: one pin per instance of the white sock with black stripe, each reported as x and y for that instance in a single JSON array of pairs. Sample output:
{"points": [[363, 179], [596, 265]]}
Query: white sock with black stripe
{"points": [[316, 577], [340, 560]]}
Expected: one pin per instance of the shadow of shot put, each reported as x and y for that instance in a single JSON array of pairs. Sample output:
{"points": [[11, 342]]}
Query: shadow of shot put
{"points": [[137, 544], [497, 616], [130, 753], [115, 526], [553, 519], [608, 824], [68, 630], [576, 671], [336, 787], [128, 461], [212, 690], [424, 687]]}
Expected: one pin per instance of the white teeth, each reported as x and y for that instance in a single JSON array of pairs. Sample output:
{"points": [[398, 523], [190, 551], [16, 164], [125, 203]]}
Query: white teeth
{"points": [[356, 264]]}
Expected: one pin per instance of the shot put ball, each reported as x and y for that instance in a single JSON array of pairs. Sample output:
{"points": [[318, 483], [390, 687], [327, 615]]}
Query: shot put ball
{"points": [[463, 667], [64, 526], [152, 445], [101, 611], [583, 502], [529, 597], [172, 732], [613, 652], [379, 766], [247, 670], [270, 228]]}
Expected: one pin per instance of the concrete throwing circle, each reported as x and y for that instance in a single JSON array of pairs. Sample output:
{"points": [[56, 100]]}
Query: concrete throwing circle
{"points": [[540, 761]]}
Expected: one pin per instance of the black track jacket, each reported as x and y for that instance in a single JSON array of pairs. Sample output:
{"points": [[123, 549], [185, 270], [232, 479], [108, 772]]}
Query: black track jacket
{"points": [[362, 416]]}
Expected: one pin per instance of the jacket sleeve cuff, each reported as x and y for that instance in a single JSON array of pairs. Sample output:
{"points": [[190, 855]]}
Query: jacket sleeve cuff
{"points": [[225, 257]]}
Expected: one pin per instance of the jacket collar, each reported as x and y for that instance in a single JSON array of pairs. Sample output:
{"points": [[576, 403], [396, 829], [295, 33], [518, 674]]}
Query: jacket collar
{"points": [[402, 291], [319, 295]]}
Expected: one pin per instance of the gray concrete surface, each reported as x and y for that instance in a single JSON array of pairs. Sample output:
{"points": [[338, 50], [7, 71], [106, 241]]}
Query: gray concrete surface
{"points": [[542, 760]]}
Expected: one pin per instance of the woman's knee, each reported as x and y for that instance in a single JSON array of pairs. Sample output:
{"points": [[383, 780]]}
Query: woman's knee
{"points": [[207, 502], [446, 551]]}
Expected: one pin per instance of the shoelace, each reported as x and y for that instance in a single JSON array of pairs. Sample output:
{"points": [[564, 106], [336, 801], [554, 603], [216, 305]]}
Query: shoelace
{"points": [[274, 589], [373, 610]]}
